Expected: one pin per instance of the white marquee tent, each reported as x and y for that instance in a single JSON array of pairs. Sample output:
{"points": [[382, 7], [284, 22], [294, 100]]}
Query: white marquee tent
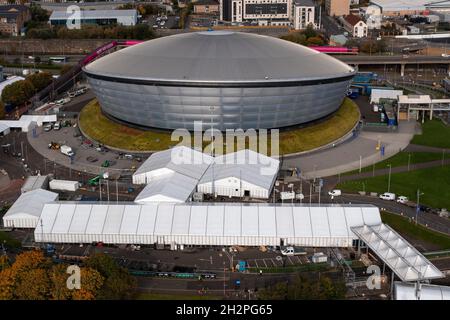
{"points": [[179, 159], [219, 224], [25, 212], [172, 188], [242, 173]]}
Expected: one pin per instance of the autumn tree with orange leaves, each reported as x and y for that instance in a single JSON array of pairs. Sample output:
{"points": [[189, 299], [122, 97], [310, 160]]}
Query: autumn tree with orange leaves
{"points": [[33, 276]]}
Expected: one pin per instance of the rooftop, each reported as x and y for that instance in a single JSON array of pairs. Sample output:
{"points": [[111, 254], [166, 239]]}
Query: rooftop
{"points": [[94, 14], [304, 3], [352, 19], [218, 56]]}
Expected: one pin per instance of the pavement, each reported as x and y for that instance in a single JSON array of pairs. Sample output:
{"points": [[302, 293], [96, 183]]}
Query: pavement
{"points": [[82, 150], [359, 151]]}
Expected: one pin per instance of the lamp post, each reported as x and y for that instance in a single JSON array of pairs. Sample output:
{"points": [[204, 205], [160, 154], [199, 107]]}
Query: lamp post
{"points": [[389, 178], [418, 205]]}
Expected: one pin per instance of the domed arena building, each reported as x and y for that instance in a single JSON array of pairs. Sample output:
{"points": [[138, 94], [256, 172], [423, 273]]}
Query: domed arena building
{"points": [[232, 79]]}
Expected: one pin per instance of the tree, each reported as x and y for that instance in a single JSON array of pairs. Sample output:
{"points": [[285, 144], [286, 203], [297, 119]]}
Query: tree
{"points": [[40, 80], [119, 286], [34, 277], [66, 68], [303, 288], [310, 32], [6, 284], [317, 41], [32, 285], [18, 93], [4, 262], [29, 260], [118, 283]]}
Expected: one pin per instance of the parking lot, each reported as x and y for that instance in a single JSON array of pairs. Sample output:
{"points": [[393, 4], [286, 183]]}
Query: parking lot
{"points": [[278, 261], [170, 23], [87, 157]]}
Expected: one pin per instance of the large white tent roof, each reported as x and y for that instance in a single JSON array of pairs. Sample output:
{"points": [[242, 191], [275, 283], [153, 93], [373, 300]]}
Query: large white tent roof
{"points": [[203, 224], [246, 165], [173, 188], [34, 182], [413, 291], [183, 160], [403, 259], [30, 204]]}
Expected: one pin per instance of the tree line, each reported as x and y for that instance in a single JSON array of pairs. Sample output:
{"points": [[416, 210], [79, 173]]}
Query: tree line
{"points": [[33, 276], [139, 32], [303, 288], [21, 91], [307, 37]]}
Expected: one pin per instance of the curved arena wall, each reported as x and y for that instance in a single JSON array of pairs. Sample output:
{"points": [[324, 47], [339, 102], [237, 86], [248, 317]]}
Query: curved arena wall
{"points": [[177, 105]]}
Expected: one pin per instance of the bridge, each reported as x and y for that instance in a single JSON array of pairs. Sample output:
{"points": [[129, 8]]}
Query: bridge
{"points": [[401, 60], [398, 59]]}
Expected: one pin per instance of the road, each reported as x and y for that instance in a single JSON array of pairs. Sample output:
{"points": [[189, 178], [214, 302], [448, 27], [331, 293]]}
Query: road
{"points": [[427, 219], [377, 59]]}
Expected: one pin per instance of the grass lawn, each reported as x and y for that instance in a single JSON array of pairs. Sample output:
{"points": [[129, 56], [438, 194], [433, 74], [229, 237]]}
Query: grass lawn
{"points": [[159, 296], [403, 226], [314, 136], [433, 182], [108, 132], [10, 242], [401, 159], [434, 134]]}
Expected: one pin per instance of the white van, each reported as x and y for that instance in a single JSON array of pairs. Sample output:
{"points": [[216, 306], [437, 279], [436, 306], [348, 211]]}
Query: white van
{"points": [[388, 196], [335, 193], [57, 125]]}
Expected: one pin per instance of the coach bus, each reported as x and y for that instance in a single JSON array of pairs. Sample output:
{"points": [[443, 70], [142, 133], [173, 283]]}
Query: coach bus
{"points": [[61, 59]]}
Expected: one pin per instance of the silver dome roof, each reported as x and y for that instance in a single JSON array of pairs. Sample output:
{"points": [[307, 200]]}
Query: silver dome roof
{"points": [[219, 56]]}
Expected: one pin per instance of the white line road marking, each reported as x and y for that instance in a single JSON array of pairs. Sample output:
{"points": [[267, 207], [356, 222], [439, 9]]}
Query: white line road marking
{"points": [[289, 258]]}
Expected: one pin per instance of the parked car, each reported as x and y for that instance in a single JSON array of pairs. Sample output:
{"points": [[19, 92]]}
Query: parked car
{"points": [[48, 127], [388, 196], [293, 251], [335, 193], [57, 125], [402, 199]]}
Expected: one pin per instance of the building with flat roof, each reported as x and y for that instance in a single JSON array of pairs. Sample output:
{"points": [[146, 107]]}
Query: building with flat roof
{"points": [[13, 18], [401, 7], [206, 7], [261, 12], [304, 14], [98, 17]]}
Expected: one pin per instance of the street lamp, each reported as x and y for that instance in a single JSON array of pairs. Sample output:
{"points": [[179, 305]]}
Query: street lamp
{"points": [[418, 205], [389, 178]]}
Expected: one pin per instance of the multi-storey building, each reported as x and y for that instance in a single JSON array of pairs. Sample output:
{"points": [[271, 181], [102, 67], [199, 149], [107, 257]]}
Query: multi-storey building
{"points": [[13, 18], [261, 12], [337, 7], [304, 14]]}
